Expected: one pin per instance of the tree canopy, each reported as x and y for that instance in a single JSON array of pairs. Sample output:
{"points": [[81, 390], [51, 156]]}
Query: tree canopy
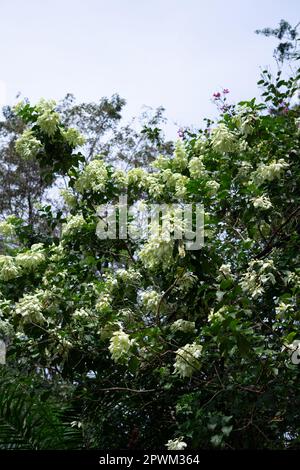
{"points": [[142, 342]]}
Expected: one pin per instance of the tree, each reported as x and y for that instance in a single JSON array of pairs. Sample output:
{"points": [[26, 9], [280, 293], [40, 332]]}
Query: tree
{"points": [[154, 344], [24, 188], [288, 47]]}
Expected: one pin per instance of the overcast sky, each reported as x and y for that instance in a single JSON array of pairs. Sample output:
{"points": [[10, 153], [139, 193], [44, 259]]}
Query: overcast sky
{"points": [[174, 53]]}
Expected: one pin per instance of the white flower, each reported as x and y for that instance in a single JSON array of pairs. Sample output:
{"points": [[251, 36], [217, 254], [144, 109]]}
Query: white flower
{"points": [[187, 359], [262, 202], [48, 122], [68, 197], [128, 275], [157, 251], [30, 308], [176, 444], [282, 309], [180, 160], [120, 344], [150, 300], [104, 302], [258, 274], [183, 325], [31, 259], [196, 167], [45, 105], [155, 188], [6, 228], [212, 187], [294, 349], [27, 145], [73, 137], [73, 225], [269, 172], [94, 177], [245, 120], [180, 185], [137, 177], [120, 178], [223, 140], [187, 281], [8, 269], [161, 162], [80, 313], [217, 316], [225, 269]]}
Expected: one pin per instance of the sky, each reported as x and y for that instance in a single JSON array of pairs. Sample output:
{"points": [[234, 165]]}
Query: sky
{"points": [[174, 53]]}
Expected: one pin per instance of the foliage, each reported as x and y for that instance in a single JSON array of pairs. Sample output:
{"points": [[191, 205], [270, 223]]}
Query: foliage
{"points": [[32, 419], [154, 344], [288, 47]]}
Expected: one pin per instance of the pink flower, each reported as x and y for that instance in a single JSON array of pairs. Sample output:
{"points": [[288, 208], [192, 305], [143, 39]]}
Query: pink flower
{"points": [[225, 91], [217, 95]]}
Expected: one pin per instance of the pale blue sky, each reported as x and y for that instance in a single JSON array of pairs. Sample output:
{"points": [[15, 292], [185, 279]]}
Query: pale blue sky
{"points": [[174, 53]]}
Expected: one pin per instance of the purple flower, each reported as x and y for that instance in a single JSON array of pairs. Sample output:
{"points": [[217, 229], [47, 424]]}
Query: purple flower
{"points": [[180, 133], [225, 108], [225, 91], [217, 95]]}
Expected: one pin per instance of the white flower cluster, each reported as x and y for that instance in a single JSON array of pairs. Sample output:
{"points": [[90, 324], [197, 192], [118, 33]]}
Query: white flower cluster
{"points": [[187, 281], [262, 202], [154, 187], [217, 316], [161, 162], [30, 308], [213, 187], [7, 229], [292, 278], [68, 197], [80, 313], [259, 274], [294, 351], [157, 251], [8, 268], [6, 329], [137, 177], [176, 444], [180, 185], [183, 325], [48, 122], [27, 145], [120, 344], [120, 178], [245, 120], [104, 302], [223, 140], [73, 137], [73, 225], [225, 270], [128, 275], [187, 359], [269, 172], [11, 267], [150, 300], [45, 105], [57, 252], [180, 160], [283, 308], [93, 178], [196, 167], [31, 259]]}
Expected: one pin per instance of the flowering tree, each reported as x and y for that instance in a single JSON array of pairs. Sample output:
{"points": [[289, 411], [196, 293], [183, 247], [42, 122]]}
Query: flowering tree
{"points": [[149, 342]]}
